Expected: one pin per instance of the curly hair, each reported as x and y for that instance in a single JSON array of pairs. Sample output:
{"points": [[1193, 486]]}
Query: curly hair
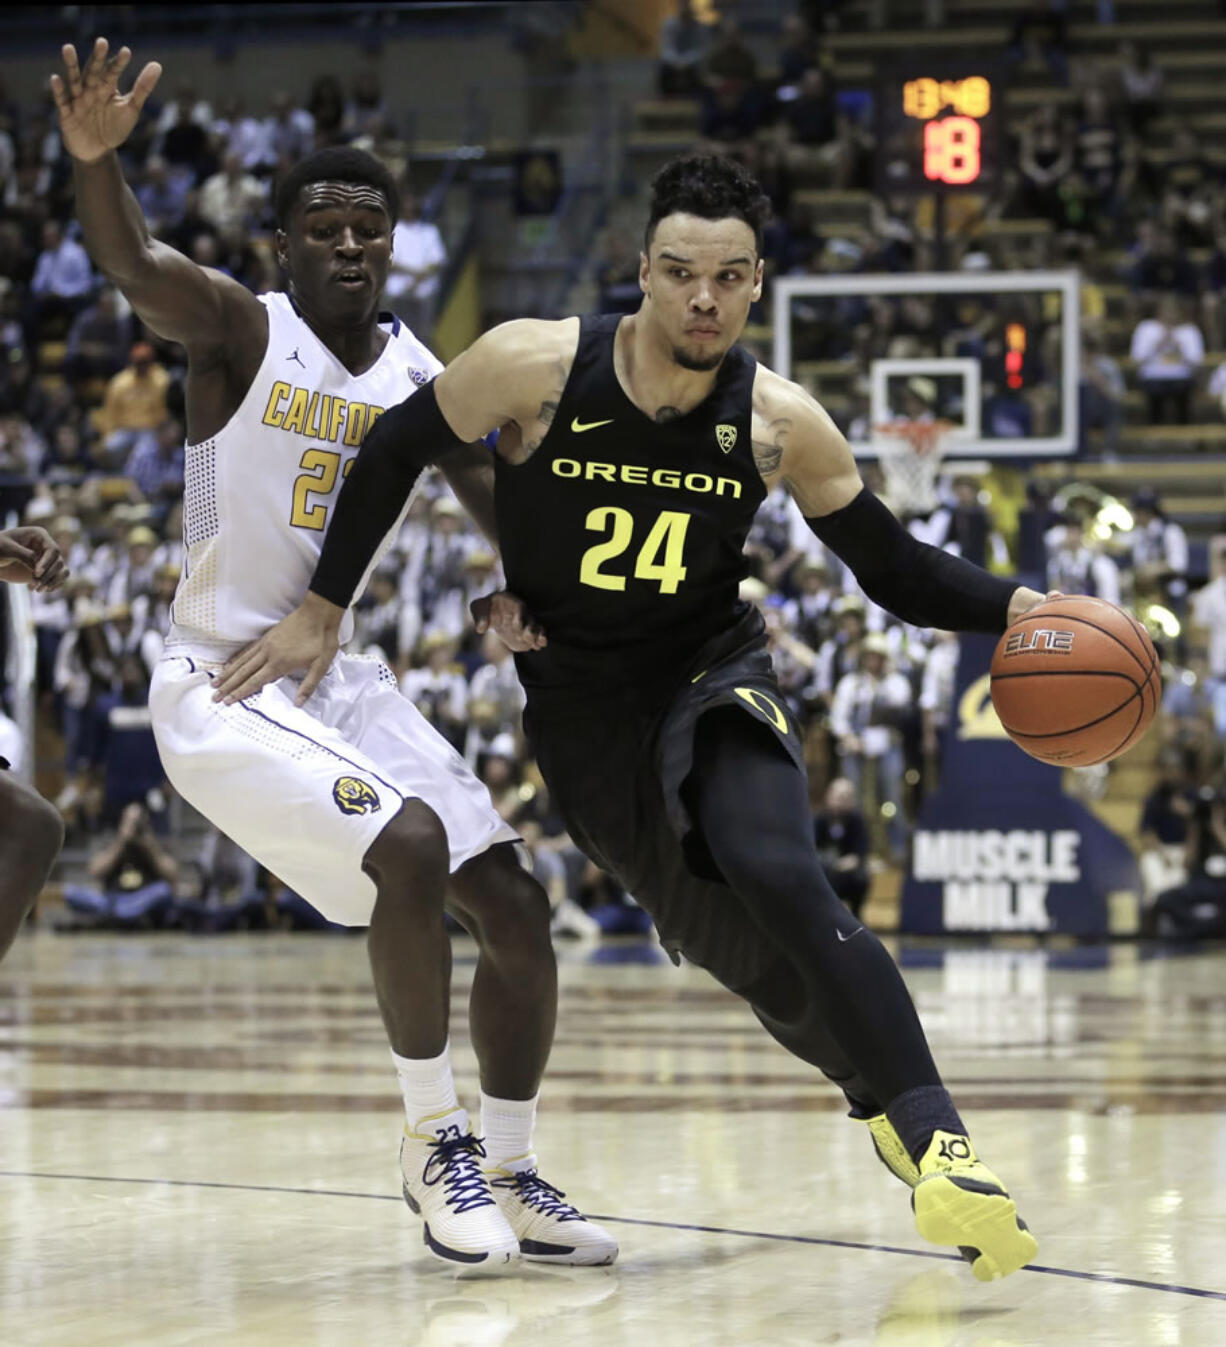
{"points": [[710, 186], [336, 163]]}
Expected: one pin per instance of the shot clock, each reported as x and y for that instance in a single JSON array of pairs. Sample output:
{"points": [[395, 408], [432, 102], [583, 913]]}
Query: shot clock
{"points": [[938, 126]]}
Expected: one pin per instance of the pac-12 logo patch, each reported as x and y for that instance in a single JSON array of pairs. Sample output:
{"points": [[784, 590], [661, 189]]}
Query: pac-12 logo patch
{"points": [[355, 797], [419, 376], [725, 436]]}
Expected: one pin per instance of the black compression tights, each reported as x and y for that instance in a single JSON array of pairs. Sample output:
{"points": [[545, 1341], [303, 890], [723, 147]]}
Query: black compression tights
{"points": [[753, 809]]}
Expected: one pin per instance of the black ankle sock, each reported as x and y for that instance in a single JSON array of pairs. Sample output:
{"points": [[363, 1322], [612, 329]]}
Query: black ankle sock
{"points": [[920, 1112]]}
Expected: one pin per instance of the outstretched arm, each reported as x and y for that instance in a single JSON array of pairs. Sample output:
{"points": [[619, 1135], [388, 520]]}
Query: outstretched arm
{"points": [[176, 298], [795, 441]]}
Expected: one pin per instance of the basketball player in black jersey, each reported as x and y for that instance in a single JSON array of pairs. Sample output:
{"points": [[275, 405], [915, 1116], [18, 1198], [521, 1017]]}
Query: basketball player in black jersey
{"points": [[633, 453], [31, 830]]}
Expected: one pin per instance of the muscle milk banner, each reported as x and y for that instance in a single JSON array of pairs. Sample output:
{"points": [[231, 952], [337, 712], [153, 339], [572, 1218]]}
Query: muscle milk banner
{"points": [[1000, 847]]}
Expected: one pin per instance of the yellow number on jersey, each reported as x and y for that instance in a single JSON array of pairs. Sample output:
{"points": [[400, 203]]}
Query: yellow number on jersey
{"points": [[319, 477], [667, 536]]}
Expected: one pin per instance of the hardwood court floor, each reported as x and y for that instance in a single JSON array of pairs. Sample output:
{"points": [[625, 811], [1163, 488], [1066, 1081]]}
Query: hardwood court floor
{"points": [[198, 1144]]}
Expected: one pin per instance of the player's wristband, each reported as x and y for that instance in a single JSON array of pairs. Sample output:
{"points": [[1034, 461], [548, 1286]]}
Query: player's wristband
{"points": [[406, 439], [918, 583]]}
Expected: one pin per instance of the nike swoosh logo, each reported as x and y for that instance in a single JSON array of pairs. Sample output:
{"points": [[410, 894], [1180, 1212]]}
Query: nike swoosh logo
{"points": [[580, 426], [843, 939]]}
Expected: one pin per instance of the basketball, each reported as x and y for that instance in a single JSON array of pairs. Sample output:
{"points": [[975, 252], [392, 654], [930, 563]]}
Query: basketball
{"points": [[1076, 681]]}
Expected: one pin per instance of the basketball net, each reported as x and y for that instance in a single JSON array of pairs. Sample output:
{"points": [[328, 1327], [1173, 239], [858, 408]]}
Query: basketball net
{"points": [[910, 453]]}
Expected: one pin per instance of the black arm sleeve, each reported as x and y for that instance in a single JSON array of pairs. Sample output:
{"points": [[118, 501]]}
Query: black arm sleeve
{"points": [[916, 582], [405, 440]]}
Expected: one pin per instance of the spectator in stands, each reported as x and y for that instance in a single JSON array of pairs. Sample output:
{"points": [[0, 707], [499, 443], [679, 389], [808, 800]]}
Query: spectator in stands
{"points": [[1158, 552], [1169, 351], [684, 43], [156, 464], [437, 687], [810, 614], [185, 135], [1141, 83], [1074, 566], [365, 108], [232, 197], [936, 701], [1190, 187], [965, 527], [866, 717], [289, 131], [839, 654], [61, 286], [842, 843], [1162, 269], [1104, 158], [85, 670], [418, 258], [1164, 830], [1040, 33], [1101, 394], [816, 150], [377, 617], [799, 50], [1196, 909], [99, 339], [162, 195], [134, 874], [135, 402], [496, 683], [326, 105], [151, 613], [134, 575]]}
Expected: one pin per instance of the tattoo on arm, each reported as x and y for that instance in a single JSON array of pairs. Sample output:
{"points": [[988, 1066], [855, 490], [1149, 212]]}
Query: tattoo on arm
{"points": [[540, 423], [666, 414], [768, 451]]}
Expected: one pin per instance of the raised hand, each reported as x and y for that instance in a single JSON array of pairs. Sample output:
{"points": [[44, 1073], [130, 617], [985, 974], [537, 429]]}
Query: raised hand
{"points": [[95, 117]]}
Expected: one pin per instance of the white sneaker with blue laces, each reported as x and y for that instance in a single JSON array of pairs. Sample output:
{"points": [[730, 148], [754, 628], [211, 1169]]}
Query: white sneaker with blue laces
{"points": [[550, 1230], [440, 1166]]}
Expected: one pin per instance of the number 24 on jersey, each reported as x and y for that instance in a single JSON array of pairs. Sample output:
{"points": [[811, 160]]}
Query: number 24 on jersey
{"points": [[659, 558]]}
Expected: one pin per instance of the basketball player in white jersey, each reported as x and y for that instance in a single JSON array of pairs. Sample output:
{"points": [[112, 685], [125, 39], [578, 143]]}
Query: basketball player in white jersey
{"points": [[31, 830], [353, 799]]}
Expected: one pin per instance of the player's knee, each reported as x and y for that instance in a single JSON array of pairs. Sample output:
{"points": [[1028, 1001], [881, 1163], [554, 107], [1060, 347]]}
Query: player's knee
{"points": [[410, 855], [501, 904], [33, 829]]}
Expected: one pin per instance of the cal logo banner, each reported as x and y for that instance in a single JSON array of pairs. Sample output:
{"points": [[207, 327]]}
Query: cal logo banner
{"points": [[1000, 847]]}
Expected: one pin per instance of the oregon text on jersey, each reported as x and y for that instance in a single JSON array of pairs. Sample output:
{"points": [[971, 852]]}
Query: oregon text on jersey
{"points": [[634, 474]]}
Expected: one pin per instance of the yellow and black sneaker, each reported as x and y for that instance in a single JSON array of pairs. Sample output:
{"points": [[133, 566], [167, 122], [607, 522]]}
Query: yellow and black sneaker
{"points": [[890, 1150], [960, 1202]]}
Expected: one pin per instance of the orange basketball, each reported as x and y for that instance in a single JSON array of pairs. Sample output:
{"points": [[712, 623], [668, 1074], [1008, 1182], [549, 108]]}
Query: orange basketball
{"points": [[1076, 681]]}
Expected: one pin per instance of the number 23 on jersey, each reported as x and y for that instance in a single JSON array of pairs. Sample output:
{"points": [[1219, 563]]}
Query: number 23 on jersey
{"points": [[659, 558]]}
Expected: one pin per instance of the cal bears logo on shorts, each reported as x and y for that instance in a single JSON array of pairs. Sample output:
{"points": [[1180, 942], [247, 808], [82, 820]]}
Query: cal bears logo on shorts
{"points": [[419, 376], [355, 797]]}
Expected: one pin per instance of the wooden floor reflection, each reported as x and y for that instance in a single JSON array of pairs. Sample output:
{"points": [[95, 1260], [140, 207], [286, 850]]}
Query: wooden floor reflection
{"points": [[198, 1146]]}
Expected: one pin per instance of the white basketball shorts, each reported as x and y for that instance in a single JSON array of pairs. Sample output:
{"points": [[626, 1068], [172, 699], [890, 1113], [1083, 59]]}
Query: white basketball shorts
{"points": [[306, 790]]}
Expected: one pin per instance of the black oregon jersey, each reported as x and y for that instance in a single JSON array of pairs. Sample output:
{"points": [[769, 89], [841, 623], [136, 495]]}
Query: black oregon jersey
{"points": [[625, 536]]}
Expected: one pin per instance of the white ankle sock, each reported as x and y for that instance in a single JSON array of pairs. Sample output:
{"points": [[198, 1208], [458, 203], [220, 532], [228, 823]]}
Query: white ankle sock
{"points": [[426, 1084], [506, 1125]]}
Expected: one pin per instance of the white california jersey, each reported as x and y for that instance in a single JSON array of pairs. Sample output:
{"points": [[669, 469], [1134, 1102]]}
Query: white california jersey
{"points": [[259, 494]]}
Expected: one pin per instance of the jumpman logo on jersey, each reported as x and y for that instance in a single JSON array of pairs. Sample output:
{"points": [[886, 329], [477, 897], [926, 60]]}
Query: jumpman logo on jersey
{"points": [[296, 356]]}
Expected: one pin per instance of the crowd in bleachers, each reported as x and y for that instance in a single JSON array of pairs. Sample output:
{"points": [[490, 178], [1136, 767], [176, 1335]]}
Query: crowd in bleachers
{"points": [[92, 425]]}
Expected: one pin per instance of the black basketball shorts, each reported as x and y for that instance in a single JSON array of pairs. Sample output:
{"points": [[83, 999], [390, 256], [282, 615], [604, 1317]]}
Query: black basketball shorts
{"points": [[615, 764]]}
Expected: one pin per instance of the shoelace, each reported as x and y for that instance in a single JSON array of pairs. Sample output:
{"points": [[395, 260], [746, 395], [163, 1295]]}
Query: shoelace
{"points": [[453, 1161], [535, 1192]]}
